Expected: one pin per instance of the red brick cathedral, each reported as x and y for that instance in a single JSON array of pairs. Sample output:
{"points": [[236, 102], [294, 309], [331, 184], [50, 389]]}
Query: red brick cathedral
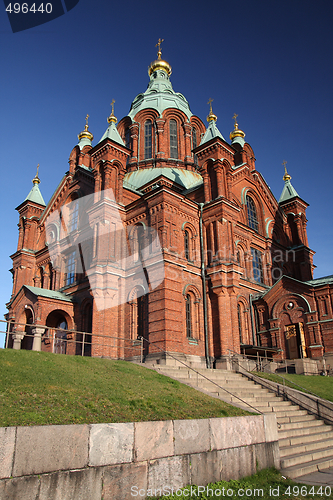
{"points": [[165, 230]]}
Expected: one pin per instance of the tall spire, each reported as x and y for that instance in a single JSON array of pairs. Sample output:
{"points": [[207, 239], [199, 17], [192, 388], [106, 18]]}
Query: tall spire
{"points": [[212, 131], [288, 191], [112, 132], [35, 195]]}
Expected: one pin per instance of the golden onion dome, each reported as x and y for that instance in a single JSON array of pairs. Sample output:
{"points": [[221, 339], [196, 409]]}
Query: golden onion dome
{"points": [[159, 63], [286, 176], [112, 118], [236, 132], [36, 179], [211, 116], [85, 133]]}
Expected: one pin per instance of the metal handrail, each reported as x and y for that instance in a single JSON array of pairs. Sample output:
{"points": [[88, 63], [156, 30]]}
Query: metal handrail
{"points": [[203, 376], [318, 401]]}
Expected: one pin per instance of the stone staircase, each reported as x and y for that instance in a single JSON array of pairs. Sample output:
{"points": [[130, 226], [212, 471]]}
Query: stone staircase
{"points": [[306, 443]]}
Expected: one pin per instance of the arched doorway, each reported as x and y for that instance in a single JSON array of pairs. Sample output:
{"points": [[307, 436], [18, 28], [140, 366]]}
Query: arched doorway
{"points": [[28, 338], [56, 338]]}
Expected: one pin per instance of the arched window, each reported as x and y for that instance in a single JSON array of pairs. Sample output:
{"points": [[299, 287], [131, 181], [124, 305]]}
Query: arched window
{"points": [[189, 326], [252, 214], [240, 329], [70, 269], [138, 307], [187, 244], [257, 266], [148, 140], [173, 139], [128, 139], [195, 143], [73, 215]]}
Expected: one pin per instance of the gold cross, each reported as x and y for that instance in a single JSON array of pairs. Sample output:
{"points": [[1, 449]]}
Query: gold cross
{"points": [[235, 118], [159, 53], [87, 120], [210, 104], [284, 163], [112, 104], [37, 170]]}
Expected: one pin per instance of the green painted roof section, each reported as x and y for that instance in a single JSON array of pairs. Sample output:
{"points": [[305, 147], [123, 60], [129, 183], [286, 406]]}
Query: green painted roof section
{"points": [[211, 132], [184, 178], [160, 96], [113, 134], [35, 195], [326, 280], [288, 192], [49, 294]]}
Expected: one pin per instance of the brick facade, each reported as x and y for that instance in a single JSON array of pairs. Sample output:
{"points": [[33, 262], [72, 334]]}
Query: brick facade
{"points": [[160, 170]]}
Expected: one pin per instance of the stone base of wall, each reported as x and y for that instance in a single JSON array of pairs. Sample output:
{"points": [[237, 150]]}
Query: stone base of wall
{"points": [[129, 460]]}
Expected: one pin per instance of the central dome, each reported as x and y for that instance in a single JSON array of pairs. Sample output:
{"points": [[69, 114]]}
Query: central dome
{"points": [[159, 94]]}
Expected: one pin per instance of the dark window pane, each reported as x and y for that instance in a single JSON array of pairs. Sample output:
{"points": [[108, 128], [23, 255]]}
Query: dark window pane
{"points": [[188, 316], [252, 214], [173, 139], [148, 140], [257, 265]]}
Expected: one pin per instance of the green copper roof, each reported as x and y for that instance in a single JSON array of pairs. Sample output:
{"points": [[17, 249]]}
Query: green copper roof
{"points": [[35, 195], [184, 178], [49, 294], [321, 281], [113, 134], [160, 96], [211, 132], [288, 192]]}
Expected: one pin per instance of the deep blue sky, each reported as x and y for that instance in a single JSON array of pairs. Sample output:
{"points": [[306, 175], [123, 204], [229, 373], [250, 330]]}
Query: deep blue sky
{"points": [[268, 61]]}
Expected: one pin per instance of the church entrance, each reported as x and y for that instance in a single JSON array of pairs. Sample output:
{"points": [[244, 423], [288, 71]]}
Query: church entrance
{"points": [[295, 341]]}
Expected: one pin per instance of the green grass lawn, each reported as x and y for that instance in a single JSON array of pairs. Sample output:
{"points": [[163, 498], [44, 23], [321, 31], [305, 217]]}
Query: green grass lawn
{"points": [[321, 386], [38, 388], [267, 484]]}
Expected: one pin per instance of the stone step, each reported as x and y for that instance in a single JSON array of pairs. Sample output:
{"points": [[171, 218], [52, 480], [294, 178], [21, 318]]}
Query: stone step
{"points": [[302, 458], [302, 431], [305, 442], [236, 384], [306, 468], [286, 451], [295, 418], [300, 424], [321, 434]]}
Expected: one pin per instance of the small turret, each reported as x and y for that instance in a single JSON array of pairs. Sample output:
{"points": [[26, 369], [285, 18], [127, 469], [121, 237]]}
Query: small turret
{"points": [[212, 130], [35, 195], [85, 137]]}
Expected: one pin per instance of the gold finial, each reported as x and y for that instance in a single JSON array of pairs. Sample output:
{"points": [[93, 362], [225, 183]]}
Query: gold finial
{"points": [[236, 132], [211, 115], [86, 125], [85, 132], [36, 179], [159, 63], [159, 53], [286, 176], [112, 118]]}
